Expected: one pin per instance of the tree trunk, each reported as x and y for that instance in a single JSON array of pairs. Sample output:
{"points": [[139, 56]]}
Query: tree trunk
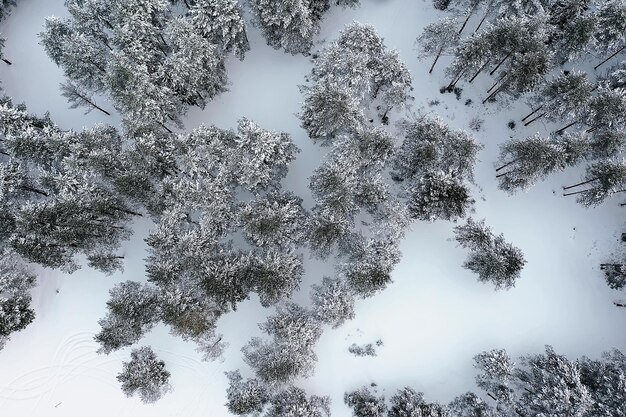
{"points": [[532, 112], [561, 130], [6, 61], [577, 192], [496, 83], [619, 304], [165, 127], [34, 190], [612, 55], [581, 183], [493, 95], [507, 164], [127, 211], [94, 105], [436, 59], [469, 15], [454, 81], [535, 119], [481, 21], [491, 395], [479, 71], [501, 62]]}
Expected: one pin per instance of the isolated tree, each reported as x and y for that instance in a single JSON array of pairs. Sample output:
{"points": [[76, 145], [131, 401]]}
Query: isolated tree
{"points": [[491, 257], [333, 302], [290, 354], [439, 197], [438, 38], [602, 180], [145, 375], [293, 402], [245, 397], [132, 311], [365, 403]]}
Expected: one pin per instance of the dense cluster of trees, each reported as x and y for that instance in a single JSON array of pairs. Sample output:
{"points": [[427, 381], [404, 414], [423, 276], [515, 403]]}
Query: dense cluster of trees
{"points": [[545, 384], [147, 57], [523, 45]]}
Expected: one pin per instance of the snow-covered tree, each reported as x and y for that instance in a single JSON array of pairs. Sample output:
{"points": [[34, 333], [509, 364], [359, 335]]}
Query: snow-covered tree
{"points": [[611, 28], [551, 385], [333, 302], [365, 403], [369, 265], [429, 146], [439, 197], [15, 309], [293, 402], [144, 375], [470, 405], [287, 24], [275, 220], [290, 354], [408, 402], [602, 180], [491, 257], [605, 382], [329, 109], [438, 38], [133, 310], [245, 397], [78, 97], [496, 374]]}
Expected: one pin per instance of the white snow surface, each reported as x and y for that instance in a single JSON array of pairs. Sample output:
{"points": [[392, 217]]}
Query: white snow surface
{"points": [[432, 319]]}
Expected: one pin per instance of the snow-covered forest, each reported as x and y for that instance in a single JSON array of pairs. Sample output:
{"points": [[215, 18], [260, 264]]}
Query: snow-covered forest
{"points": [[308, 208]]}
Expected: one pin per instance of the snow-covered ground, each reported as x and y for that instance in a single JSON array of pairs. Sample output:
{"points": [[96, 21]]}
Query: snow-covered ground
{"points": [[433, 318]]}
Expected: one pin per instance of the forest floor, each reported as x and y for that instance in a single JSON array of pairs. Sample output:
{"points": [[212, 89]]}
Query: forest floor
{"points": [[433, 319]]}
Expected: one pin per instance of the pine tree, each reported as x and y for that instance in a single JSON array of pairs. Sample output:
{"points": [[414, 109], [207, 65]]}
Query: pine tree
{"points": [[439, 197], [611, 28], [496, 375], [604, 379], [470, 405], [364, 403], [290, 354], [333, 302], [407, 402], [369, 265], [287, 24], [491, 257], [293, 402], [329, 110], [245, 397], [275, 220], [602, 180], [145, 375], [15, 301], [551, 385], [78, 97], [438, 38], [133, 311]]}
